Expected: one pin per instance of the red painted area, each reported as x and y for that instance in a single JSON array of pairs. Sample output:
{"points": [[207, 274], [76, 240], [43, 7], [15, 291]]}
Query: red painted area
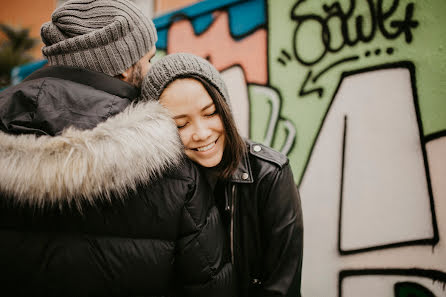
{"points": [[222, 50]]}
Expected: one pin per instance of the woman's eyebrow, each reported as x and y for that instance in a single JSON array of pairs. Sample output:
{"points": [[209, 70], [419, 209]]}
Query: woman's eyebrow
{"points": [[183, 115], [207, 106], [179, 116]]}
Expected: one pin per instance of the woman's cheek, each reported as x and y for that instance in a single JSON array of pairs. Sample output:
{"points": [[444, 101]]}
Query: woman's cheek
{"points": [[183, 136], [218, 124]]}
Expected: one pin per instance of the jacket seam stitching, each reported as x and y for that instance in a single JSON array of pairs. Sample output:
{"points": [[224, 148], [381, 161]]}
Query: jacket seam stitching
{"points": [[111, 106], [198, 242], [40, 90]]}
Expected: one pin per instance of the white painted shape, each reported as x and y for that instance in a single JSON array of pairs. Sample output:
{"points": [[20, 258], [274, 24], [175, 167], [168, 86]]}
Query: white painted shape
{"points": [[319, 191], [234, 77], [436, 155], [320, 194], [385, 190], [274, 100], [290, 137]]}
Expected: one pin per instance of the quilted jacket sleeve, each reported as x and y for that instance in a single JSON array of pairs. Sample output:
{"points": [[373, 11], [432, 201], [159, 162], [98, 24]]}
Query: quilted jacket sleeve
{"points": [[283, 229], [201, 263]]}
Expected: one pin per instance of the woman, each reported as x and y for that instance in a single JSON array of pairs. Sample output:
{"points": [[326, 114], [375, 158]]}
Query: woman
{"points": [[253, 184]]}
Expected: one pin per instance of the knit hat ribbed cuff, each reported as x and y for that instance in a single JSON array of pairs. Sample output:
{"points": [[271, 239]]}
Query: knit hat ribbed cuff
{"points": [[173, 66]]}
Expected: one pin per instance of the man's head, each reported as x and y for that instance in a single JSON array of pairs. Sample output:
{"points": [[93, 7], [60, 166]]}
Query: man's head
{"points": [[109, 36], [135, 74]]}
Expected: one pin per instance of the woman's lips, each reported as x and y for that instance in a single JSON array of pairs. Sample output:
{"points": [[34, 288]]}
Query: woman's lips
{"points": [[206, 147]]}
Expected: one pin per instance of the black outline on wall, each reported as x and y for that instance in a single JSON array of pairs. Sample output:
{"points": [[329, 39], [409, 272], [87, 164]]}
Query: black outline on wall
{"points": [[425, 241], [434, 275], [434, 136]]}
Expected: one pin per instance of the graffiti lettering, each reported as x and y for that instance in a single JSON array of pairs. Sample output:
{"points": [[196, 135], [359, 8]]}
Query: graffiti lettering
{"points": [[349, 26]]}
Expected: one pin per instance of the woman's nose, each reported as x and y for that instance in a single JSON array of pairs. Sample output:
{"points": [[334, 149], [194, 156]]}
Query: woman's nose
{"points": [[201, 132]]}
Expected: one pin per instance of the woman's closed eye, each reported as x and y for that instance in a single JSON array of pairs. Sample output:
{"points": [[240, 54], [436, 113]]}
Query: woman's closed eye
{"points": [[211, 114], [181, 125]]}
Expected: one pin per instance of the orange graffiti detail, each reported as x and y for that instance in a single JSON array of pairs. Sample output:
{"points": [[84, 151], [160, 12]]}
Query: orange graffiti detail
{"points": [[217, 45]]}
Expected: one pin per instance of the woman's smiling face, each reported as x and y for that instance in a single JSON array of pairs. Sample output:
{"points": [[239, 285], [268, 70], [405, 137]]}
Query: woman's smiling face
{"points": [[200, 126]]}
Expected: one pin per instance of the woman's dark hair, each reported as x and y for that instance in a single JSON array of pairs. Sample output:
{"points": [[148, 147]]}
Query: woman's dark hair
{"points": [[235, 146]]}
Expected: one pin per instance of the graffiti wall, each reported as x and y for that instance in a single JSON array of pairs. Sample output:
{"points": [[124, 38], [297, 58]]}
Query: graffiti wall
{"points": [[354, 92]]}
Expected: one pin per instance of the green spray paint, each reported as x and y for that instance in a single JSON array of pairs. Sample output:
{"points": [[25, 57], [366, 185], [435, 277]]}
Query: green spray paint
{"points": [[392, 31]]}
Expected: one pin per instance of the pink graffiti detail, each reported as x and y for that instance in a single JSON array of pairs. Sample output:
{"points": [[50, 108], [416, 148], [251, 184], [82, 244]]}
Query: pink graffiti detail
{"points": [[217, 45]]}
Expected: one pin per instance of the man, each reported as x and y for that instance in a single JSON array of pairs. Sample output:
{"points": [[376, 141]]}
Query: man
{"points": [[96, 198]]}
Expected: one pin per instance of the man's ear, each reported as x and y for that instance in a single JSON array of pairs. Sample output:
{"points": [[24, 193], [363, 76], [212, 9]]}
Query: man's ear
{"points": [[125, 75]]}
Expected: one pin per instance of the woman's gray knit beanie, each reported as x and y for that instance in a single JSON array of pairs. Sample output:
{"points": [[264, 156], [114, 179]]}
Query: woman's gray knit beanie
{"points": [[107, 36], [180, 65]]}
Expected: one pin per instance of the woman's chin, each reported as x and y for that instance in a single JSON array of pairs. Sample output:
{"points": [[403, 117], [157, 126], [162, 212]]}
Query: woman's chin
{"points": [[206, 162]]}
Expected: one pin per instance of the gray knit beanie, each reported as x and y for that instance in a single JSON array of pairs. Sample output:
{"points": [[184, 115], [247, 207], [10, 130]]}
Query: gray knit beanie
{"points": [[180, 65], [106, 36]]}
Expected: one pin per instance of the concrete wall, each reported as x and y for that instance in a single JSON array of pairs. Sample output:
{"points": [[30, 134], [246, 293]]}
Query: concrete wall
{"points": [[353, 91]]}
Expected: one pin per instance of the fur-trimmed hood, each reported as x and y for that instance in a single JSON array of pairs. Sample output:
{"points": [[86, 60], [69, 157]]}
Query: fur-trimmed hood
{"points": [[77, 166]]}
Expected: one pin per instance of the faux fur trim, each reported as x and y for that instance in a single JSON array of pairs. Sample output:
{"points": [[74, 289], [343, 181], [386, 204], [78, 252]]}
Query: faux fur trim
{"points": [[134, 146]]}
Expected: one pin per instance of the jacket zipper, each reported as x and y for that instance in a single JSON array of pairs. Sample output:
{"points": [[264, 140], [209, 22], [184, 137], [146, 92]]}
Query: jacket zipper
{"points": [[232, 222]]}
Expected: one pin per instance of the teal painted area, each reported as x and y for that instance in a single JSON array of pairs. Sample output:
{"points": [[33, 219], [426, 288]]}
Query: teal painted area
{"points": [[194, 10], [201, 23], [244, 17], [19, 73]]}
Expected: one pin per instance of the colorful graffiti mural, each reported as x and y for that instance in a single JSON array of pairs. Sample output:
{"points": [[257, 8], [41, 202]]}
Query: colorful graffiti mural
{"points": [[353, 91]]}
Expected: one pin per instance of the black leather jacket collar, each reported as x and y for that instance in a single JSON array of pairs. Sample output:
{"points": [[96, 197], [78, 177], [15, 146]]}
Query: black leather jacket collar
{"points": [[243, 173]]}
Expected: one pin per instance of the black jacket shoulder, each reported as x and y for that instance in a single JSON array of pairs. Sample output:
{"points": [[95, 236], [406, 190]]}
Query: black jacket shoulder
{"points": [[267, 154], [56, 97]]}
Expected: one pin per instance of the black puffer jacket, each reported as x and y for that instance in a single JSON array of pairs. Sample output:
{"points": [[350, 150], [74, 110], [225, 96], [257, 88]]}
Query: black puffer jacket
{"points": [[84, 210]]}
